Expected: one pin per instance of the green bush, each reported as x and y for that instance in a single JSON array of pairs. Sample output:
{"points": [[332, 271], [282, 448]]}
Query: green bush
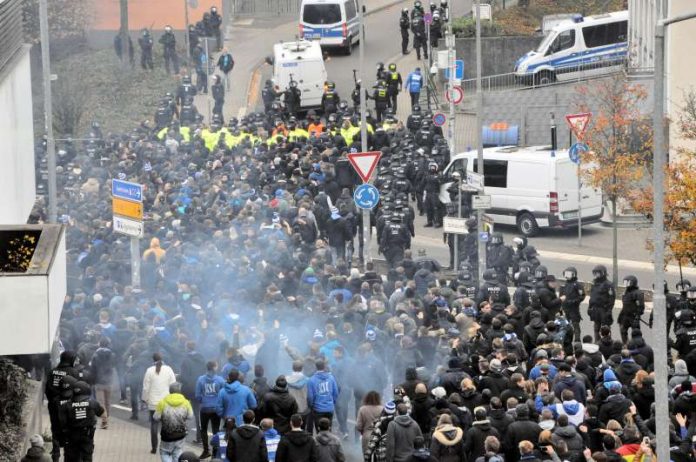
{"points": [[465, 27], [13, 391]]}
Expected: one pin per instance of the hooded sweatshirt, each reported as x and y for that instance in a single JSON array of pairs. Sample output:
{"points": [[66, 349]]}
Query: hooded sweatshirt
{"points": [[247, 444], [681, 373], [329, 447], [322, 392], [234, 399], [297, 387], [297, 446], [447, 444], [36, 454], [272, 439], [573, 409], [208, 387], [400, 435], [174, 410]]}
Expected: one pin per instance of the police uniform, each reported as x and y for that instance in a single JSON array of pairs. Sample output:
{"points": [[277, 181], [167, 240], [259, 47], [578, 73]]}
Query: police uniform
{"points": [[168, 41], [293, 99], [601, 304], [394, 239], [420, 40], [633, 302], [431, 186], [81, 419], [404, 25], [56, 388], [574, 293], [145, 43], [381, 97], [394, 84], [329, 102]]}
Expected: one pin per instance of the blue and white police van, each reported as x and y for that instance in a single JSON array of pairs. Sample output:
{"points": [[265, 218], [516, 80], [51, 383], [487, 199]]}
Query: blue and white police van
{"points": [[333, 23], [576, 48]]}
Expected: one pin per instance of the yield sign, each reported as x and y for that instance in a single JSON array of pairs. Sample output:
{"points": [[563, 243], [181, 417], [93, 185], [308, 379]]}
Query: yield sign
{"points": [[578, 122], [364, 163]]}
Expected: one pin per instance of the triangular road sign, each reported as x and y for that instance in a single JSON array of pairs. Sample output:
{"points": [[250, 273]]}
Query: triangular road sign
{"points": [[364, 163], [578, 122]]}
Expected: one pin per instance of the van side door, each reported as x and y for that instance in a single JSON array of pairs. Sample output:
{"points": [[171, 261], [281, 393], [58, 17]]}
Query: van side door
{"points": [[563, 53]]}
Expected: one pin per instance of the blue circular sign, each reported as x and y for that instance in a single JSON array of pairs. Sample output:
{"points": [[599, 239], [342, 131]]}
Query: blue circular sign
{"points": [[439, 119], [575, 151], [366, 196]]}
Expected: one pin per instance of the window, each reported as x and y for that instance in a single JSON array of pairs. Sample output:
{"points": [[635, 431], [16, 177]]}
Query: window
{"points": [[565, 40], [494, 172], [459, 165], [329, 13], [351, 12], [605, 34]]}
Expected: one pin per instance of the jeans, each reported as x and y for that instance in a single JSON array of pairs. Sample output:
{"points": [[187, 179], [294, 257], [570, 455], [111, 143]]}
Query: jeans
{"points": [[342, 410], [154, 430], [415, 96], [196, 407], [136, 388], [171, 450], [103, 395], [208, 416]]}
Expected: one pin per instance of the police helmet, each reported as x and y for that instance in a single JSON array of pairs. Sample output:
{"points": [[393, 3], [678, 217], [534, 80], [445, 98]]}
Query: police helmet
{"points": [[490, 275], [167, 28], [691, 294], [81, 388], [465, 276], [404, 11], [496, 238], [416, 108], [541, 272], [66, 386], [417, 4], [522, 277], [570, 273], [630, 281], [599, 272], [213, 9], [683, 285], [432, 166], [186, 79], [146, 32], [530, 252], [330, 85], [470, 224], [392, 67], [520, 242], [432, 6], [293, 83]]}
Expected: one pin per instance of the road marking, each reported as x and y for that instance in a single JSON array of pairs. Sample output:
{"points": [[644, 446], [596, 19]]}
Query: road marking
{"points": [[121, 407]]}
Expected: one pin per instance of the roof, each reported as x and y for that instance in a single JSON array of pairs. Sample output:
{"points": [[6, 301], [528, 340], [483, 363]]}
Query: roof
{"points": [[297, 50], [541, 154]]}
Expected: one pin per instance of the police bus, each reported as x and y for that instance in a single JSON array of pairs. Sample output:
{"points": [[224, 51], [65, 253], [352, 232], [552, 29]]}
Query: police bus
{"points": [[333, 23]]}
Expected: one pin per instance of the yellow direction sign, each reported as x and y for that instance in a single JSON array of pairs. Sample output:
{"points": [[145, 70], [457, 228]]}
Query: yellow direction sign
{"points": [[128, 209]]}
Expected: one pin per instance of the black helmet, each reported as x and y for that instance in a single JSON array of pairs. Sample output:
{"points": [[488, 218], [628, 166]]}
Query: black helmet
{"points": [[330, 85], [683, 285], [541, 272], [146, 32], [465, 276], [416, 108], [81, 388], [66, 386], [520, 242], [470, 224], [490, 275], [186, 79], [630, 281], [599, 272], [570, 273], [496, 238], [691, 294]]}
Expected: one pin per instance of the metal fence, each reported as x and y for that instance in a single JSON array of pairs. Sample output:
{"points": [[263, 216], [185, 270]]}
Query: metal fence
{"points": [[11, 32], [264, 7], [511, 82]]}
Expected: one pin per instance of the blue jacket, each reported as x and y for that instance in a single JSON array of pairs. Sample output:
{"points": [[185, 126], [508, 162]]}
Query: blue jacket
{"points": [[234, 399], [241, 364], [272, 439], [327, 350], [208, 387], [414, 82], [322, 392]]}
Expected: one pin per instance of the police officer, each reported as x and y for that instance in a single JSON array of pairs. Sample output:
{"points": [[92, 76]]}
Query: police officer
{"points": [[424, 135], [293, 97], [218, 91], [269, 94], [145, 43], [550, 302], [394, 239], [54, 392], [168, 41], [420, 39], [194, 38], [81, 419], [572, 295], [499, 256], [682, 303], [686, 307], [381, 97], [417, 9], [492, 290], [602, 298], [431, 186], [633, 306], [214, 24], [518, 255], [163, 115], [435, 28], [525, 289], [466, 279], [330, 99], [404, 26], [686, 336], [189, 113], [394, 85], [413, 122], [355, 95], [185, 90], [470, 244]]}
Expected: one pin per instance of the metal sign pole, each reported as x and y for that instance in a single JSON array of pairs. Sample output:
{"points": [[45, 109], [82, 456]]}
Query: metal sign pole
{"points": [[363, 129], [207, 76], [459, 215], [135, 261], [48, 112], [479, 143]]}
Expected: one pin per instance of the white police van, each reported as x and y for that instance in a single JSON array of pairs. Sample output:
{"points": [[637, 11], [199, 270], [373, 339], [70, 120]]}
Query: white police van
{"points": [[576, 48], [529, 187], [333, 23], [301, 62]]}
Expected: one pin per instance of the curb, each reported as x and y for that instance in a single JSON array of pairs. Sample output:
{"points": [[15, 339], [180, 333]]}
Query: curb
{"points": [[254, 73]]}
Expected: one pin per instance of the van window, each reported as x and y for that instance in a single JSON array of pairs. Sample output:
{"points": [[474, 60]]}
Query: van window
{"points": [[565, 40], [351, 12], [321, 13], [605, 34], [494, 173], [459, 165]]}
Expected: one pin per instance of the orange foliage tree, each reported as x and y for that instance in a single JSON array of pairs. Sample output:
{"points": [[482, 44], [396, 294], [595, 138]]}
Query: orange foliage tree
{"points": [[619, 139], [680, 192]]}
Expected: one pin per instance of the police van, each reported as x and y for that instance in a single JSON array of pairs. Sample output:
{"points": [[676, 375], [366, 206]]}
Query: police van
{"points": [[332, 23], [531, 188], [579, 47], [301, 62]]}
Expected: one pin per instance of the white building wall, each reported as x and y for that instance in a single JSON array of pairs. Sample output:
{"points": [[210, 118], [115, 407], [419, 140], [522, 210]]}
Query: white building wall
{"points": [[17, 189]]}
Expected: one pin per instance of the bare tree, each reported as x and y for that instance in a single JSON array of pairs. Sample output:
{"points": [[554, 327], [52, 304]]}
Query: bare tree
{"points": [[69, 103]]}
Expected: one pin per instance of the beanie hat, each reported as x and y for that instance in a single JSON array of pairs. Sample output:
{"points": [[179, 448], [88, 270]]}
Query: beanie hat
{"points": [[281, 382], [496, 365], [36, 440], [390, 407], [439, 392]]}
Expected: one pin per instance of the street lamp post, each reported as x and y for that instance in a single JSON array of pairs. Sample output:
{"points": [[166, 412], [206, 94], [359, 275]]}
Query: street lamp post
{"points": [[479, 142], [662, 419]]}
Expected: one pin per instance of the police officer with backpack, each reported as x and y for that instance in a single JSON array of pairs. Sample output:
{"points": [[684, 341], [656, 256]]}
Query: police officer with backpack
{"points": [[420, 39], [381, 97], [269, 94], [394, 239], [602, 298], [572, 295], [330, 99], [394, 85], [55, 392], [81, 419]]}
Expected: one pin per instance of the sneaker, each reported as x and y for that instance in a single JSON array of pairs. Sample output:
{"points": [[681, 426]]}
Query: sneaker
{"points": [[204, 455]]}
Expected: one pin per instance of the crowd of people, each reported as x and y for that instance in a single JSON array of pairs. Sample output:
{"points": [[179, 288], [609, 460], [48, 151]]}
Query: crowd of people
{"points": [[254, 320]]}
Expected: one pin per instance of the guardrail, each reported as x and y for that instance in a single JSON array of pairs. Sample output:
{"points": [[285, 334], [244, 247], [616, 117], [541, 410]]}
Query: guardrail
{"points": [[512, 82]]}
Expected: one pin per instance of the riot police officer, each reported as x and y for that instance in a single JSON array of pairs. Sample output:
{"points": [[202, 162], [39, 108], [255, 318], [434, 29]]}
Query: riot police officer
{"points": [[518, 253], [602, 298], [218, 91], [525, 288], [404, 26], [394, 86], [417, 9], [145, 42], [424, 135], [330, 99], [682, 303], [189, 113], [466, 279], [499, 256], [269, 94], [431, 186], [633, 306], [572, 295], [293, 97], [185, 90], [550, 302], [492, 290], [168, 41], [470, 244], [54, 394], [413, 122], [435, 28], [686, 336], [394, 239], [194, 38], [355, 95], [420, 39], [214, 24], [163, 115], [381, 97], [81, 419]]}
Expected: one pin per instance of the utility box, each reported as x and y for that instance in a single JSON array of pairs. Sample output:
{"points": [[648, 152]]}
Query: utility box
{"points": [[32, 287]]}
